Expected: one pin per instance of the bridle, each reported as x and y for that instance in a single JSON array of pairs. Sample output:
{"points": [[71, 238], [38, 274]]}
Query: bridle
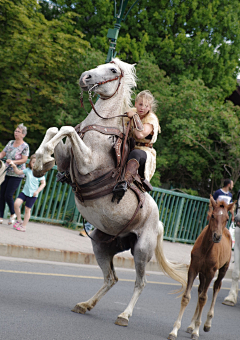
{"points": [[98, 84]]}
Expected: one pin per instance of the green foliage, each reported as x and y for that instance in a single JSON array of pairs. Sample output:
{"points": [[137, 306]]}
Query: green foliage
{"points": [[38, 61], [199, 138], [197, 39], [187, 54]]}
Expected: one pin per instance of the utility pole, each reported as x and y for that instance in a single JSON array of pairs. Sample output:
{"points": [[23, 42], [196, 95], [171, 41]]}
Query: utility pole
{"points": [[113, 32]]}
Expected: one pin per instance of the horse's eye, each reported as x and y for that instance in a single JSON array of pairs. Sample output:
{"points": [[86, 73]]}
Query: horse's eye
{"points": [[113, 70]]}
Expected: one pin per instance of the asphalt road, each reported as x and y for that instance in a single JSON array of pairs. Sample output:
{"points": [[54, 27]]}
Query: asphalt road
{"points": [[37, 298]]}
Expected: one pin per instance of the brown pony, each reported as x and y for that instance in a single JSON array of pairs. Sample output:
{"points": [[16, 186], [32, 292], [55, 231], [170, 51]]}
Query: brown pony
{"points": [[211, 252]]}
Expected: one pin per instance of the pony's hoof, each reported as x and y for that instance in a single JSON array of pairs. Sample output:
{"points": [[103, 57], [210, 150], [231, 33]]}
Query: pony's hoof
{"points": [[194, 337], [189, 330], [206, 328], [46, 167], [79, 309], [228, 303], [121, 322], [172, 337]]}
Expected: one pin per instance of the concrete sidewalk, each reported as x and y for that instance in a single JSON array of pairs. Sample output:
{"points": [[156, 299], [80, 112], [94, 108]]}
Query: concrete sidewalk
{"points": [[54, 243]]}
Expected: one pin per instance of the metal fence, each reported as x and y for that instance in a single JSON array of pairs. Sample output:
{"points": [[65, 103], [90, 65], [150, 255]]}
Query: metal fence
{"points": [[183, 216]]}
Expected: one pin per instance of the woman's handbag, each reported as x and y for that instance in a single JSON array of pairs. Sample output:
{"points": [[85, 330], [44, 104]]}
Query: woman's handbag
{"points": [[2, 171]]}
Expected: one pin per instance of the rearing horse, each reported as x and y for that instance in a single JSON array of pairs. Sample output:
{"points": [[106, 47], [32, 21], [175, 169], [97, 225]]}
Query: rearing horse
{"points": [[211, 252], [91, 155]]}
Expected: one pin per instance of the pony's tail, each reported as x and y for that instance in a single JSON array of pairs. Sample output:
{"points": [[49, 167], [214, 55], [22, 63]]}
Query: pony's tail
{"points": [[177, 272]]}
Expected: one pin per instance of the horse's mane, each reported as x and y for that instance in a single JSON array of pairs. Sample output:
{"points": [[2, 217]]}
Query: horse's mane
{"points": [[130, 79]]}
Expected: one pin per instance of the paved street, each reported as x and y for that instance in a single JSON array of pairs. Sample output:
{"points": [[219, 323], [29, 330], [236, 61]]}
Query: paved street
{"points": [[37, 298]]}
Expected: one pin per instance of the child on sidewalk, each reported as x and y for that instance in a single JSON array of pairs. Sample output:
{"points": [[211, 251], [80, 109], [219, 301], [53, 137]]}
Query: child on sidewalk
{"points": [[29, 193]]}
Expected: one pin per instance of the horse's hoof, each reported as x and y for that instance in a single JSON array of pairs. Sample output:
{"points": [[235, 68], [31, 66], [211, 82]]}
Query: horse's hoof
{"points": [[194, 337], [206, 328], [121, 322], [228, 303], [79, 309], [189, 330], [46, 167], [172, 337]]}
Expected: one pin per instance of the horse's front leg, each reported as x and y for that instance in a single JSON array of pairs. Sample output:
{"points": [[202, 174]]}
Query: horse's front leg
{"points": [[83, 155], [41, 168], [216, 288], [202, 299]]}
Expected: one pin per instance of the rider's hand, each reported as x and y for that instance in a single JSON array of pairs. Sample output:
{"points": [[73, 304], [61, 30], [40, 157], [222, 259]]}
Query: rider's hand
{"points": [[131, 113]]}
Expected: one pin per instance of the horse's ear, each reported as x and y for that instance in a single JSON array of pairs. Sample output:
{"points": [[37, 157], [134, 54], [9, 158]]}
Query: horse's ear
{"points": [[231, 207], [212, 201]]}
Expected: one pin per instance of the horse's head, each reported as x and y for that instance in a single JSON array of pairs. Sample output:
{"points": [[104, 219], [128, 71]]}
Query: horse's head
{"points": [[106, 79], [218, 217]]}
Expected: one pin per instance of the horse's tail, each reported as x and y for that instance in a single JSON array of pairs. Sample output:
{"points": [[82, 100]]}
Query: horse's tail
{"points": [[177, 272]]}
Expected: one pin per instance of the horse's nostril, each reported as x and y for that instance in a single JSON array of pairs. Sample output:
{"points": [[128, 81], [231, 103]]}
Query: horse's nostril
{"points": [[89, 76]]}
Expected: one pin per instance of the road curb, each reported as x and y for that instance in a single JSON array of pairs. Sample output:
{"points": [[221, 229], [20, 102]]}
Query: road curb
{"points": [[45, 254]]}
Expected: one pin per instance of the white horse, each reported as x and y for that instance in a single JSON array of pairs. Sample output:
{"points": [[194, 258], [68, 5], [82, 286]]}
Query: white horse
{"points": [[92, 153], [231, 299]]}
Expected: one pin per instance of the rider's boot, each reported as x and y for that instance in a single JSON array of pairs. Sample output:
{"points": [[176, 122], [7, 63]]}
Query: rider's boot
{"points": [[121, 187]]}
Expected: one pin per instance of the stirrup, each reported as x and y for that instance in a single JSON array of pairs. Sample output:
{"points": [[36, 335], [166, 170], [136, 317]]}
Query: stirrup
{"points": [[119, 191]]}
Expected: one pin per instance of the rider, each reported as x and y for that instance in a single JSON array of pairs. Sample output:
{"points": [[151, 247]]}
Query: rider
{"points": [[144, 129]]}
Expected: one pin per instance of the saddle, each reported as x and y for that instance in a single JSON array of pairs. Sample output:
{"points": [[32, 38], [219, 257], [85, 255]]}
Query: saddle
{"points": [[102, 182]]}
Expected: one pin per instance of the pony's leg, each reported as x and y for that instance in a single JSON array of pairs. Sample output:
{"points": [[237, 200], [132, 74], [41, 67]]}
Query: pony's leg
{"points": [[200, 289], [202, 299], [216, 288], [38, 166], [192, 273], [104, 256], [231, 299]]}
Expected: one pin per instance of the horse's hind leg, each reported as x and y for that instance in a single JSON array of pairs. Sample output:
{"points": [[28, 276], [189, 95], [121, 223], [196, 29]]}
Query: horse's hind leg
{"points": [[104, 256], [231, 299], [143, 252], [216, 288]]}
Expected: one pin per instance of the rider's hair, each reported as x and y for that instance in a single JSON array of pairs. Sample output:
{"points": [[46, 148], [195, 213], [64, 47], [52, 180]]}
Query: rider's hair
{"points": [[31, 158], [226, 182], [147, 95]]}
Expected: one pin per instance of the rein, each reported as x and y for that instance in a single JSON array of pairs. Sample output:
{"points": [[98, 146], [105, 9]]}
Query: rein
{"points": [[95, 86]]}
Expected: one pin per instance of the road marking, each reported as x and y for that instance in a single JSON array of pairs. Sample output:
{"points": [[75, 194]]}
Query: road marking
{"points": [[91, 277]]}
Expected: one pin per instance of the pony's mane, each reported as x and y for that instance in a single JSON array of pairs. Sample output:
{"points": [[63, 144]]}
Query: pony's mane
{"points": [[130, 79]]}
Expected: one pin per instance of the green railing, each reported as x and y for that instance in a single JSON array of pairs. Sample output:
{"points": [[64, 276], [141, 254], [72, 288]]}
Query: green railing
{"points": [[183, 216]]}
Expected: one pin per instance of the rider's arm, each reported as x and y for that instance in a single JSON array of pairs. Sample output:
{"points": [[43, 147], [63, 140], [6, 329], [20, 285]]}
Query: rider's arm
{"points": [[147, 129]]}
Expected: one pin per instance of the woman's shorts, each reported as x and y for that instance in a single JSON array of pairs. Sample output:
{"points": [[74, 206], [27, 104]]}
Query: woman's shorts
{"points": [[29, 200]]}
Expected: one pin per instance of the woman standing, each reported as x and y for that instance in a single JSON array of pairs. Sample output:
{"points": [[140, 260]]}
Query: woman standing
{"points": [[17, 151]]}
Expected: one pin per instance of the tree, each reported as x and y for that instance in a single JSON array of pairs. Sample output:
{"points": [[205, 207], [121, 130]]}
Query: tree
{"points": [[40, 62], [197, 39], [199, 140]]}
